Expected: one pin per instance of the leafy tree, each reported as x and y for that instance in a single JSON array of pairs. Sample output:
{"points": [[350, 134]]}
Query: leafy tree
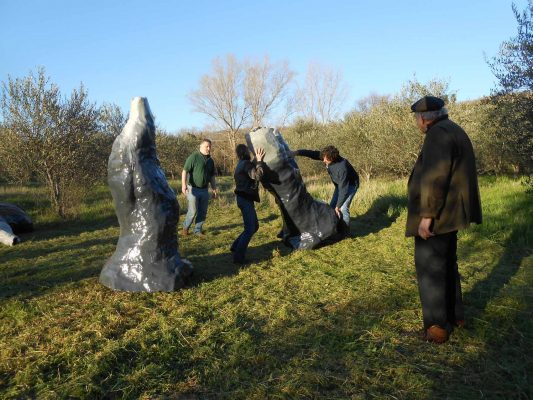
{"points": [[54, 137], [112, 120], [173, 150], [513, 67], [414, 90]]}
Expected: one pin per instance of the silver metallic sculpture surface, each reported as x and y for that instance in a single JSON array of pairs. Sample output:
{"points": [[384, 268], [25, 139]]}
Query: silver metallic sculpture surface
{"points": [[307, 222], [13, 220], [146, 258]]}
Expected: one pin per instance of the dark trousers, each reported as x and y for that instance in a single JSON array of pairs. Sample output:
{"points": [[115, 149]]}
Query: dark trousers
{"points": [[438, 278], [251, 225]]}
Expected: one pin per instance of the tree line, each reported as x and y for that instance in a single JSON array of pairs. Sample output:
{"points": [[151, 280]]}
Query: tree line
{"points": [[64, 141]]}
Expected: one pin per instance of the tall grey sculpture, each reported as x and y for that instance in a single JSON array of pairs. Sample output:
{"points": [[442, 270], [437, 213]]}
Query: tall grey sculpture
{"points": [[13, 220], [307, 222], [146, 258]]}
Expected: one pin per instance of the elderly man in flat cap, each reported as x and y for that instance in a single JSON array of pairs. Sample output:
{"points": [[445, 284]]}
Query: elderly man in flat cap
{"points": [[443, 197]]}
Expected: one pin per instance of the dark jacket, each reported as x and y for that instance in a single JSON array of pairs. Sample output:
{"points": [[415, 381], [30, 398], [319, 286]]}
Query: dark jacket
{"points": [[247, 177], [443, 184], [341, 172]]}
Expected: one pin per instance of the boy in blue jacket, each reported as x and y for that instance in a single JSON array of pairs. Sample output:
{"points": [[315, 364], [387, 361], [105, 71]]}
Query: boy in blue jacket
{"points": [[343, 176]]}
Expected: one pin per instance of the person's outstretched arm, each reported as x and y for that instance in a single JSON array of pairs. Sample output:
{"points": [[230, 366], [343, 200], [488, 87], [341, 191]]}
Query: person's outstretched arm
{"points": [[313, 154]]}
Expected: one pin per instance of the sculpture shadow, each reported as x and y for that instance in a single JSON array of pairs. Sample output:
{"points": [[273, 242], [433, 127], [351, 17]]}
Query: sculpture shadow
{"points": [[381, 214], [40, 274]]}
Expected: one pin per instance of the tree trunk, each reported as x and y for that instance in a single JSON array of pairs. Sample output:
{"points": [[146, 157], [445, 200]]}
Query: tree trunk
{"points": [[54, 191]]}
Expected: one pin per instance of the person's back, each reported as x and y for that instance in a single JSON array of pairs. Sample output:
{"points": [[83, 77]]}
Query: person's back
{"points": [[342, 174], [246, 185], [454, 194]]}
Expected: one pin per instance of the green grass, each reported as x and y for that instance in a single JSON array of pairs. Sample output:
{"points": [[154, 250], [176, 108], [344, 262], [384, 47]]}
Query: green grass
{"points": [[333, 323]]}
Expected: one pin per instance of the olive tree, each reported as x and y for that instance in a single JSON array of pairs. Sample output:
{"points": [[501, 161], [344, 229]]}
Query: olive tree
{"points": [[513, 67], [54, 137]]}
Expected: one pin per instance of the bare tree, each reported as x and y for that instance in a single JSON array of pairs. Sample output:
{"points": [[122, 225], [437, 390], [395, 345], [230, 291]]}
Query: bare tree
{"points": [[323, 95], [56, 138], [266, 86], [221, 97], [237, 94]]}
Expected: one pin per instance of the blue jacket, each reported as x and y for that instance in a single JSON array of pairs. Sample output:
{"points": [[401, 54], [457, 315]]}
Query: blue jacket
{"points": [[341, 172]]}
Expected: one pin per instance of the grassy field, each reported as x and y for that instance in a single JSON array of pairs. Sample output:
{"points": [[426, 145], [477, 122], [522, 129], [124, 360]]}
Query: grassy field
{"points": [[334, 323]]}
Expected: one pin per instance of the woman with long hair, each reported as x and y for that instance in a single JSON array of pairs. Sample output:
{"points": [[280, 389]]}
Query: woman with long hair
{"points": [[247, 176]]}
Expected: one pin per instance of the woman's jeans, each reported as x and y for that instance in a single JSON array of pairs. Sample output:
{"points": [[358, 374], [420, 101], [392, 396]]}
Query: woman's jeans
{"points": [[251, 225], [345, 207], [198, 200]]}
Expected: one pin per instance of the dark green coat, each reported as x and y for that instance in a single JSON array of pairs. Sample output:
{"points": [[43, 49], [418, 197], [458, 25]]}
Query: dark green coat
{"points": [[443, 184]]}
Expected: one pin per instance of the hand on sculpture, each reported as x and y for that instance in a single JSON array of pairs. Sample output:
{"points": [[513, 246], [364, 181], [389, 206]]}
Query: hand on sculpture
{"points": [[184, 190], [424, 228], [260, 154]]}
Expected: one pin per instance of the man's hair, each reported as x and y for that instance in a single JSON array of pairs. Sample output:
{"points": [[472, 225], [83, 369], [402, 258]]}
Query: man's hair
{"points": [[205, 140], [431, 115], [242, 152], [331, 153]]}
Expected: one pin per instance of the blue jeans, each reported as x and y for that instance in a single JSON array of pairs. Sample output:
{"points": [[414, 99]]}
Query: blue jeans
{"points": [[198, 200], [345, 207], [251, 225]]}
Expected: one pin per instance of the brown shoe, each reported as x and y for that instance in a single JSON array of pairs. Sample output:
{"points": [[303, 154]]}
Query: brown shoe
{"points": [[184, 232], [436, 334]]}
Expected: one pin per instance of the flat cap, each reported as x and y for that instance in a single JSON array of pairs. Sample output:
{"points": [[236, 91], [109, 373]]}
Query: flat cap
{"points": [[427, 103]]}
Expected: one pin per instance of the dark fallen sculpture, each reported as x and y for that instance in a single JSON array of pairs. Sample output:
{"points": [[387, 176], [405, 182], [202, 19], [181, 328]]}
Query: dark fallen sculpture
{"points": [[307, 223], [13, 221], [146, 258]]}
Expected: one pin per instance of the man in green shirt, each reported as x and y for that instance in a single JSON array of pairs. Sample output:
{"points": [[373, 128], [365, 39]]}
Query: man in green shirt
{"points": [[198, 173]]}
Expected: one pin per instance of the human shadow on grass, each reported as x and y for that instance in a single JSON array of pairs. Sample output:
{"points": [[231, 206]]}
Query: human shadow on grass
{"points": [[210, 267], [507, 337], [381, 214], [314, 357], [516, 248]]}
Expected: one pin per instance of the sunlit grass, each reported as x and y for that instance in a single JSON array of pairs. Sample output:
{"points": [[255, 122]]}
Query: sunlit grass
{"points": [[336, 322]]}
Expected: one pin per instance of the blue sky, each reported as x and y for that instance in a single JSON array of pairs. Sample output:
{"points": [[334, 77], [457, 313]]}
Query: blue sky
{"points": [[160, 49]]}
